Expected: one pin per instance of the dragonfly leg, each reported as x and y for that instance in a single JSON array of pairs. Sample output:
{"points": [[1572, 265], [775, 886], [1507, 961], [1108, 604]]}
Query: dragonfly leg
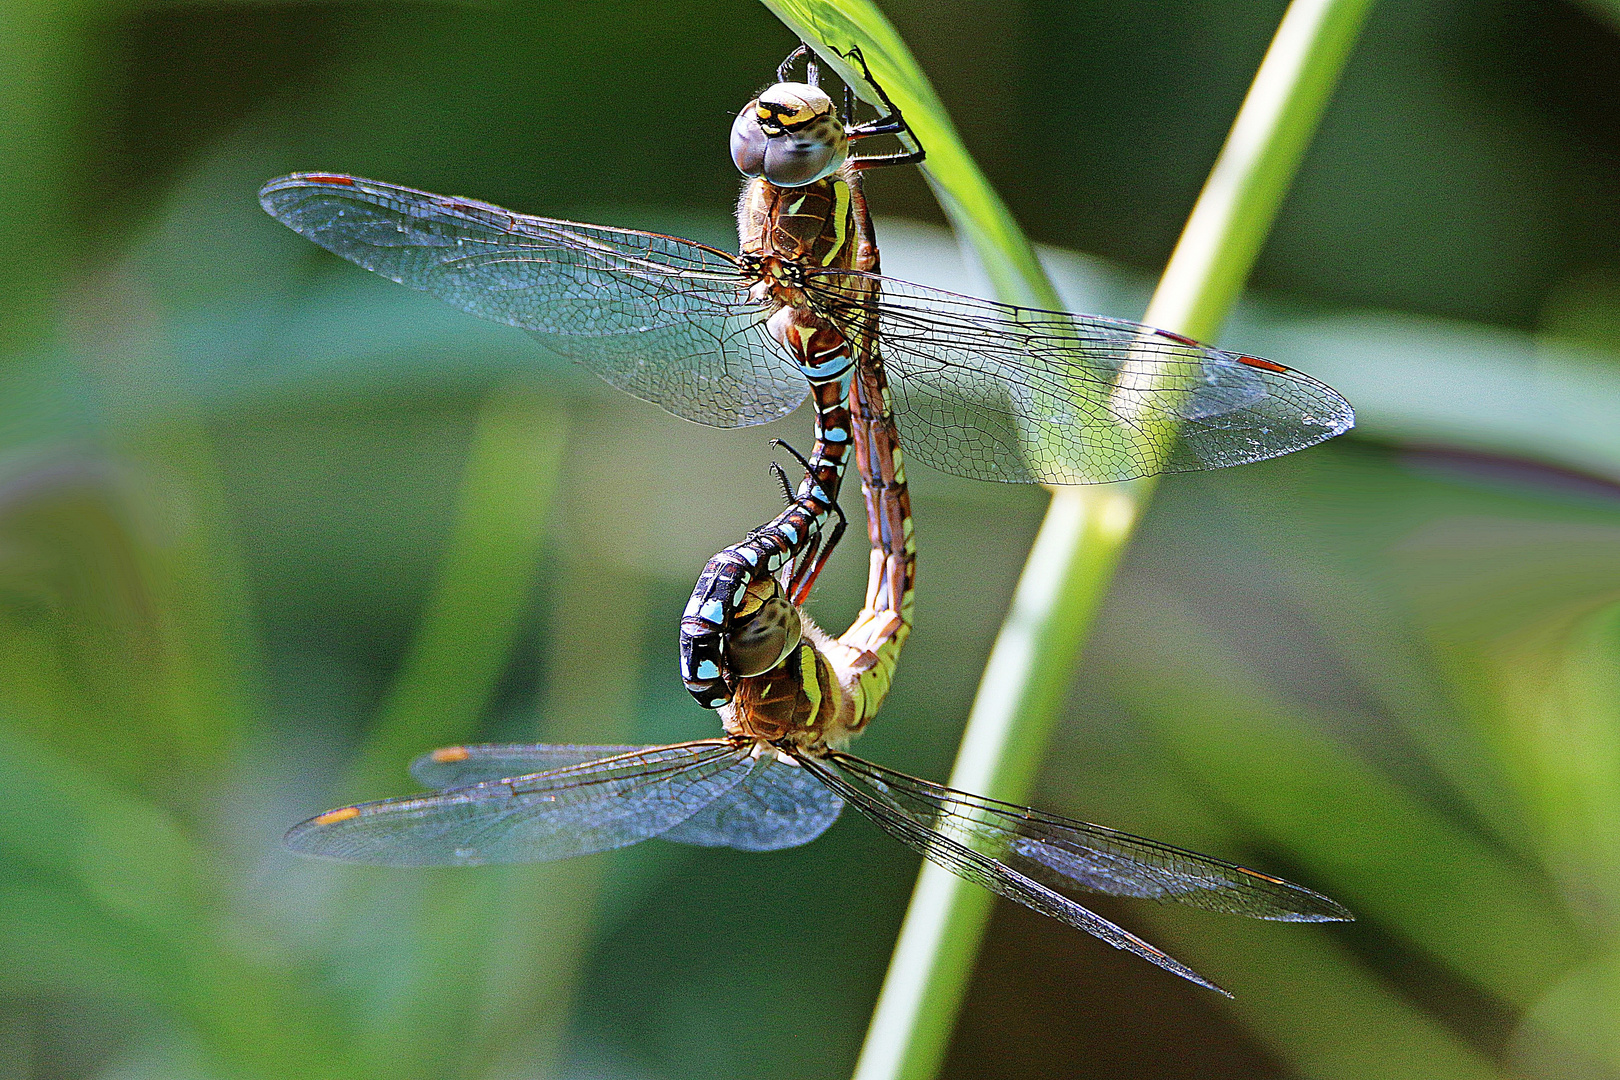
{"points": [[805, 577], [820, 549], [781, 478], [783, 444], [811, 71], [890, 123], [879, 161], [815, 555]]}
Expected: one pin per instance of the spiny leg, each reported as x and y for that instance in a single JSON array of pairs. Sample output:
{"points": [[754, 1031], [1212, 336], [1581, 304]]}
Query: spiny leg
{"points": [[815, 557], [890, 123], [811, 71]]}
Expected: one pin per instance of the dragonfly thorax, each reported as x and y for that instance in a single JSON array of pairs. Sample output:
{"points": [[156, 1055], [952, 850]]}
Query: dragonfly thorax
{"points": [[783, 230], [791, 135]]}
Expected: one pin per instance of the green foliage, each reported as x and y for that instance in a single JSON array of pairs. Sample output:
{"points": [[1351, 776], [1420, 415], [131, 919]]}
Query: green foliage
{"points": [[268, 528]]}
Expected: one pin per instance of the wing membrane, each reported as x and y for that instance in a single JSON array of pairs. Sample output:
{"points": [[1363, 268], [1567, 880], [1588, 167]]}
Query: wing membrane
{"points": [[663, 319], [1067, 854], [575, 810], [777, 805], [895, 818], [998, 392], [459, 766]]}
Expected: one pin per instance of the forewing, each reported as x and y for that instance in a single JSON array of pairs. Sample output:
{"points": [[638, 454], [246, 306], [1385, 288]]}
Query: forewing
{"points": [[999, 392], [458, 766], [558, 814], [778, 805], [664, 319], [1068, 855], [918, 833]]}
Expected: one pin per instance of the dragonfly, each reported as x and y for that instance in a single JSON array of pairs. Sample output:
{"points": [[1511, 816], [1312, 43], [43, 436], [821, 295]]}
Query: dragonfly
{"points": [[980, 389], [780, 776]]}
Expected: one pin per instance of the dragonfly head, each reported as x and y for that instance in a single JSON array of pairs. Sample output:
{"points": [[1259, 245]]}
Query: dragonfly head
{"points": [[791, 135], [764, 631]]}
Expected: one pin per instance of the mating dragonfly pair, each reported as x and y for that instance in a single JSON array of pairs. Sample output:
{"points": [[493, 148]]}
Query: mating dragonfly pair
{"points": [[969, 386]]}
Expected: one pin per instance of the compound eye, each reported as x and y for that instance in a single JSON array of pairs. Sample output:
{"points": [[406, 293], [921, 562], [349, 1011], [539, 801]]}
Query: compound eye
{"points": [[806, 154], [764, 635], [748, 141]]}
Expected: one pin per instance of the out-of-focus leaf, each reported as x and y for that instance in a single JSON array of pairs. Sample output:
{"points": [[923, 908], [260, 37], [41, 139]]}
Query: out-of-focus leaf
{"points": [[1584, 312], [43, 68], [1317, 1008], [109, 624], [126, 855], [1604, 9], [1364, 840], [189, 686], [1322, 544], [1528, 616], [132, 862], [1572, 1031], [464, 638], [463, 972], [55, 942], [1432, 382], [346, 332]]}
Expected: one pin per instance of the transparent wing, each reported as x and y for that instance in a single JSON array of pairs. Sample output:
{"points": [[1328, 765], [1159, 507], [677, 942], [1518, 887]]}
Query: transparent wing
{"points": [[918, 833], [458, 766], [666, 320], [1067, 854], [574, 810], [998, 392], [777, 805]]}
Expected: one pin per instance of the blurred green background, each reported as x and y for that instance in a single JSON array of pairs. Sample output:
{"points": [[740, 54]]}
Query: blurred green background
{"points": [[269, 527]]}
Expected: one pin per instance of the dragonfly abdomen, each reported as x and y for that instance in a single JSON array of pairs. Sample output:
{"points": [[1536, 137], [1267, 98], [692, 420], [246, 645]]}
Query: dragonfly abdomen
{"points": [[880, 631], [782, 229], [711, 614]]}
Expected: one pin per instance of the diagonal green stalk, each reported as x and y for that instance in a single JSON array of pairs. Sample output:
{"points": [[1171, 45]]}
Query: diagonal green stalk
{"points": [[1085, 529], [473, 613]]}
